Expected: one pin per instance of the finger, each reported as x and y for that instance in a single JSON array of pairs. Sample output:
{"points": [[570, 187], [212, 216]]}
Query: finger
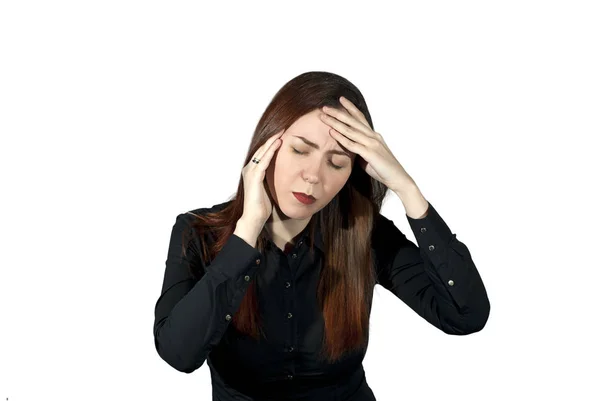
{"points": [[263, 149], [343, 116], [352, 146], [354, 111], [265, 160], [349, 132]]}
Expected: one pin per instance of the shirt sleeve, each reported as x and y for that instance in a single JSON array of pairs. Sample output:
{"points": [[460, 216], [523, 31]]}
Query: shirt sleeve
{"points": [[437, 279], [191, 314]]}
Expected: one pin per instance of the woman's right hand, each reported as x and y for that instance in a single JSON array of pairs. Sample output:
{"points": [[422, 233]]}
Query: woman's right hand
{"points": [[257, 205]]}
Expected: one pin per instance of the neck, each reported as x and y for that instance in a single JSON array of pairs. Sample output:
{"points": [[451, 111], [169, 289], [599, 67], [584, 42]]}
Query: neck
{"points": [[283, 231]]}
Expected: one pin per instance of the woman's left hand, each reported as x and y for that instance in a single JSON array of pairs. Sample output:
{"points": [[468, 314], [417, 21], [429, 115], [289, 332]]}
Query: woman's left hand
{"points": [[351, 129]]}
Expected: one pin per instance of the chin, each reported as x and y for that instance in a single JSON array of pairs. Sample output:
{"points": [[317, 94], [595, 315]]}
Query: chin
{"points": [[296, 210]]}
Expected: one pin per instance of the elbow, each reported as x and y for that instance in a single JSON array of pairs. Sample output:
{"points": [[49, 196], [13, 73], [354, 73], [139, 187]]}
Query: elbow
{"points": [[186, 367], [464, 327], [177, 360], [469, 322], [189, 368], [174, 353], [472, 327]]}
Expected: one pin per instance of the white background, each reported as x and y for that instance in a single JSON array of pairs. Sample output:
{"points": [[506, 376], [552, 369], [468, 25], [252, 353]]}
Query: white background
{"points": [[118, 115]]}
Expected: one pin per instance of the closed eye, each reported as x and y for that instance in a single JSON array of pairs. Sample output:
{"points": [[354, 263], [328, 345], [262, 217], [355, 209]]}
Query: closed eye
{"points": [[330, 163]]}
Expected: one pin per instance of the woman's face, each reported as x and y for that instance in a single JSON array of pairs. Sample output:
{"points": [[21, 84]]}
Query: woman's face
{"points": [[314, 172]]}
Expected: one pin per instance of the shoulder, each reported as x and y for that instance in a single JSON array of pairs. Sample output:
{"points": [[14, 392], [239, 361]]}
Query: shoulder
{"points": [[187, 219], [210, 209], [184, 220], [204, 210]]}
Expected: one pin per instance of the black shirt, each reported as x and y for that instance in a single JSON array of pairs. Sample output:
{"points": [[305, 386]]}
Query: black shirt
{"points": [[438, 280]]}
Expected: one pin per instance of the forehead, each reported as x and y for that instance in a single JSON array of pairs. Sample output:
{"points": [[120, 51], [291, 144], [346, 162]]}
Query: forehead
{"points": [[312, 128]]}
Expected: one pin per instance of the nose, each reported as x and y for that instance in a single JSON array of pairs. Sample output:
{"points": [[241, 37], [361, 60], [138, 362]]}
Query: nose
{"points": [[310, 179], [311, 174]]}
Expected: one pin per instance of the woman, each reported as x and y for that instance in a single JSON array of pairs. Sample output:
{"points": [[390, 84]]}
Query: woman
{"points": [[273, 288]]}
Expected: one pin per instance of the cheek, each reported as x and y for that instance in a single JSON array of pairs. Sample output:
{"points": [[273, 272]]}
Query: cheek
{"points": [[340, 180], [343, 178], [334, 182], [283, 169], [285, 163]]}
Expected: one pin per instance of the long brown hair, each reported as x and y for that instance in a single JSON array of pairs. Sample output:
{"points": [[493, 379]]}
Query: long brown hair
{"points": [[345, 289]]}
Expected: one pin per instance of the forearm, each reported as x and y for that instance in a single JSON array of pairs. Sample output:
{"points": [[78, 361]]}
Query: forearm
{"points": [[247, 231], [192, 313], [413, 200]]}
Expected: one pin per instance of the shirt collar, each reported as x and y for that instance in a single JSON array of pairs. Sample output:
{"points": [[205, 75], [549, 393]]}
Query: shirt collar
{"points": [[318, 235]]}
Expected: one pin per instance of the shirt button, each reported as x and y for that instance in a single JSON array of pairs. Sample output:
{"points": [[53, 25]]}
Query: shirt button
{"points": [[287, 284], [247, 278], [228, 317], [431, 247], [300, 243], [290, 349], [258, 261], [423, 229], [289, 315], [450, 283], [294, 256], [290, 377]]}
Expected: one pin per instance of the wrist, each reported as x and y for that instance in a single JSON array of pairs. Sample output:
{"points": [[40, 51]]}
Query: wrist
{"points": [[248, 230]]}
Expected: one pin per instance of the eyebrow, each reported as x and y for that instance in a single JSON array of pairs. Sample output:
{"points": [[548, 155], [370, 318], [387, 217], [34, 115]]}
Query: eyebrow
{"points": [[314, 145]]}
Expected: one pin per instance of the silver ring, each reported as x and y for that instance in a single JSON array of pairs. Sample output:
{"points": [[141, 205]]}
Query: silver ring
{"points": [[255, 160]]}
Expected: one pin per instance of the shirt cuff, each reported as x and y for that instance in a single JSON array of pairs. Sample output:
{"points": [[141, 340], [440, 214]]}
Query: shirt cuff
{"points": [[432, 232]]}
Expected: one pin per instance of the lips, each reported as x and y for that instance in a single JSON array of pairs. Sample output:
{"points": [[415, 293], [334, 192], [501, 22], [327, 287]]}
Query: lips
{"points": [[302, 197]]}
